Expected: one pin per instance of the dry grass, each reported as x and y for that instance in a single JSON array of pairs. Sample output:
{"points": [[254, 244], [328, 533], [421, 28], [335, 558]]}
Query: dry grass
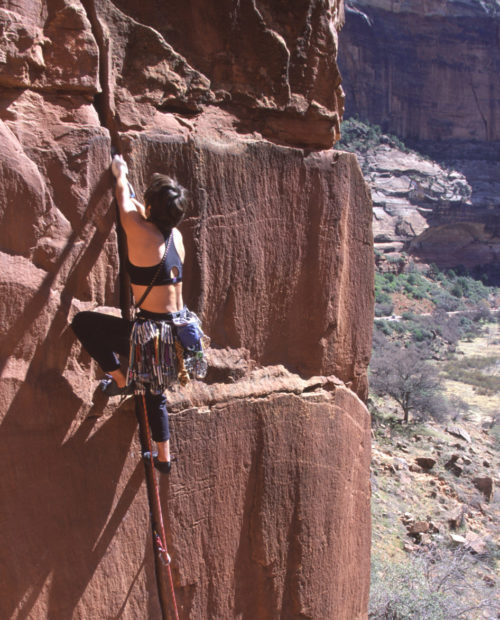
{"points": [[486, 345]]}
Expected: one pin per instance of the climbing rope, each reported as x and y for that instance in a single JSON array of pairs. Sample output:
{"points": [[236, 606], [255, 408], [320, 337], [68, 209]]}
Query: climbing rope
{"points": [[159, 538]]}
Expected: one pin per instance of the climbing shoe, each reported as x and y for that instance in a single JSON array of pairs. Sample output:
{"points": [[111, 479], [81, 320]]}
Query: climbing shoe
{"points": [[163, 467], [110, 388]]}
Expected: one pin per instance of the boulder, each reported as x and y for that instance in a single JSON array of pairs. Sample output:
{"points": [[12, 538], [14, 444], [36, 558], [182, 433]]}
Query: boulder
{"points": [[455, 518], [400, 463], [458, 431], [418, 527], [458, 539], [407, 518], [484, 484], [476, 544], [425, 462], [451, 465]]}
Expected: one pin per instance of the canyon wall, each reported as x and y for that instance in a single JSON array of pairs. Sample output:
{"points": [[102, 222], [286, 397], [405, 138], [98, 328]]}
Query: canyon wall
{"points": [[425, 71], [267, 508], [429, 72]]}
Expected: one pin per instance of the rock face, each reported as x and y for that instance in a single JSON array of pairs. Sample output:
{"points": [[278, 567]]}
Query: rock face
{"points": [[268, 507], [273, 66], [430, 210], [260, 508], [409, 193]]}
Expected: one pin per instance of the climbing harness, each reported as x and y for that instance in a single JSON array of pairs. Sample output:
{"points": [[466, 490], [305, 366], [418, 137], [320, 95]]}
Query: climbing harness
{"points": [[165, 351], [153, 356]]}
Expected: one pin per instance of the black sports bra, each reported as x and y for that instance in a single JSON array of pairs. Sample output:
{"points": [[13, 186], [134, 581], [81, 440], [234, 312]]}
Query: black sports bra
{"points": [[144, 275]]}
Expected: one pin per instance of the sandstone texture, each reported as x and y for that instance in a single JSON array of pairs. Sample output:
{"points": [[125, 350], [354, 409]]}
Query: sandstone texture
{"points": [[269, 485], [272, 65], [431, 210], [267, 510]]}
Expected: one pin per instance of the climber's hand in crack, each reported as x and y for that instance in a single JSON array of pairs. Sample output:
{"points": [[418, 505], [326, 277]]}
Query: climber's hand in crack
{"points": [[119, 166], [132, 212]]}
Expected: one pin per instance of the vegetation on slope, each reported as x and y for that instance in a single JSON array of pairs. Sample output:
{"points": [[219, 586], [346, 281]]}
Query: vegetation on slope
{"points": [[435, 551], [359, 137]]}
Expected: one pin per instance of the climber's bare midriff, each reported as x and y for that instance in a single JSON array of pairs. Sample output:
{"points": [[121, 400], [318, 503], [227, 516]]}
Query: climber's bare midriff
{"points": [[166, 298]]}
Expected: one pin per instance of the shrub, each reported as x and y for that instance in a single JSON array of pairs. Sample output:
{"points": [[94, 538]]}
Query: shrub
{"points": [[447, 327], [469, 329], [382, 297], [383, 309], [434, 585], [482, 312], [359, 136], [383, 327], [408, 316], [444, 300], [457, 290], [419, 334]]}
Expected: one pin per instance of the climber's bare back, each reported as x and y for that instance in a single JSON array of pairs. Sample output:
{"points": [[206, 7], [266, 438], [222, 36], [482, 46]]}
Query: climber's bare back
{"points": [[146, 245]]}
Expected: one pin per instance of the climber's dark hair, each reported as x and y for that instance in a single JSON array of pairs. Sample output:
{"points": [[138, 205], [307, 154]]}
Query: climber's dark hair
{"points": [[167, 200]]}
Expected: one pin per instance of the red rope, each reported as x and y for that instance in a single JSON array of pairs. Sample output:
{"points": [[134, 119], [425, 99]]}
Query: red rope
{"points": [[163, 540]]}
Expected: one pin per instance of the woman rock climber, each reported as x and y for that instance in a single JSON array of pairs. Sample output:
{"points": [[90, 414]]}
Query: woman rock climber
{"points": [[155, 256]]}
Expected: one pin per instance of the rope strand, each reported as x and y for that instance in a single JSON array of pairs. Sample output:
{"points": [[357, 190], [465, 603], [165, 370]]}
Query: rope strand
{"points": [[162, 547]]}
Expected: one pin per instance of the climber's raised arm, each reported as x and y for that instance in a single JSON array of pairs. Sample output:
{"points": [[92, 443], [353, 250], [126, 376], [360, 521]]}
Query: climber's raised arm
{"points": [[132, 212]]}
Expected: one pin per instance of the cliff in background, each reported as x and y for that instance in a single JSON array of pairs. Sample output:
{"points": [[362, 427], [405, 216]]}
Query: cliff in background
{"points": [[425, 71], [429, 72], [267, 508]]}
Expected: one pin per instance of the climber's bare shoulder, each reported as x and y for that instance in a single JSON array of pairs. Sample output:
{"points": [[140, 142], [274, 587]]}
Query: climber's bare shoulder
{"points": [[179, 243]]}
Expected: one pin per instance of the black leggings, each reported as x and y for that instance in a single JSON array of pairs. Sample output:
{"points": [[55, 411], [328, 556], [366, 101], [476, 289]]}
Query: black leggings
{"points": [[105, 337]]}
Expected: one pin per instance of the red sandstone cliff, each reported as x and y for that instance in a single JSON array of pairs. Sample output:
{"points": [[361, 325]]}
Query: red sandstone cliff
{"points": [[268, 507]]}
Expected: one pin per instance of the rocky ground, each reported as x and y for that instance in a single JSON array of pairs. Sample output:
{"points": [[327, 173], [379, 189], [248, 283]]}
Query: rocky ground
{"points": [[435, 486]]}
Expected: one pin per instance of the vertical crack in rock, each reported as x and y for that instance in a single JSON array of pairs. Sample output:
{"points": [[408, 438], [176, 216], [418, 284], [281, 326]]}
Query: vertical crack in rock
{"points": [[104, 105], [290, 603], [103, 101]]}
